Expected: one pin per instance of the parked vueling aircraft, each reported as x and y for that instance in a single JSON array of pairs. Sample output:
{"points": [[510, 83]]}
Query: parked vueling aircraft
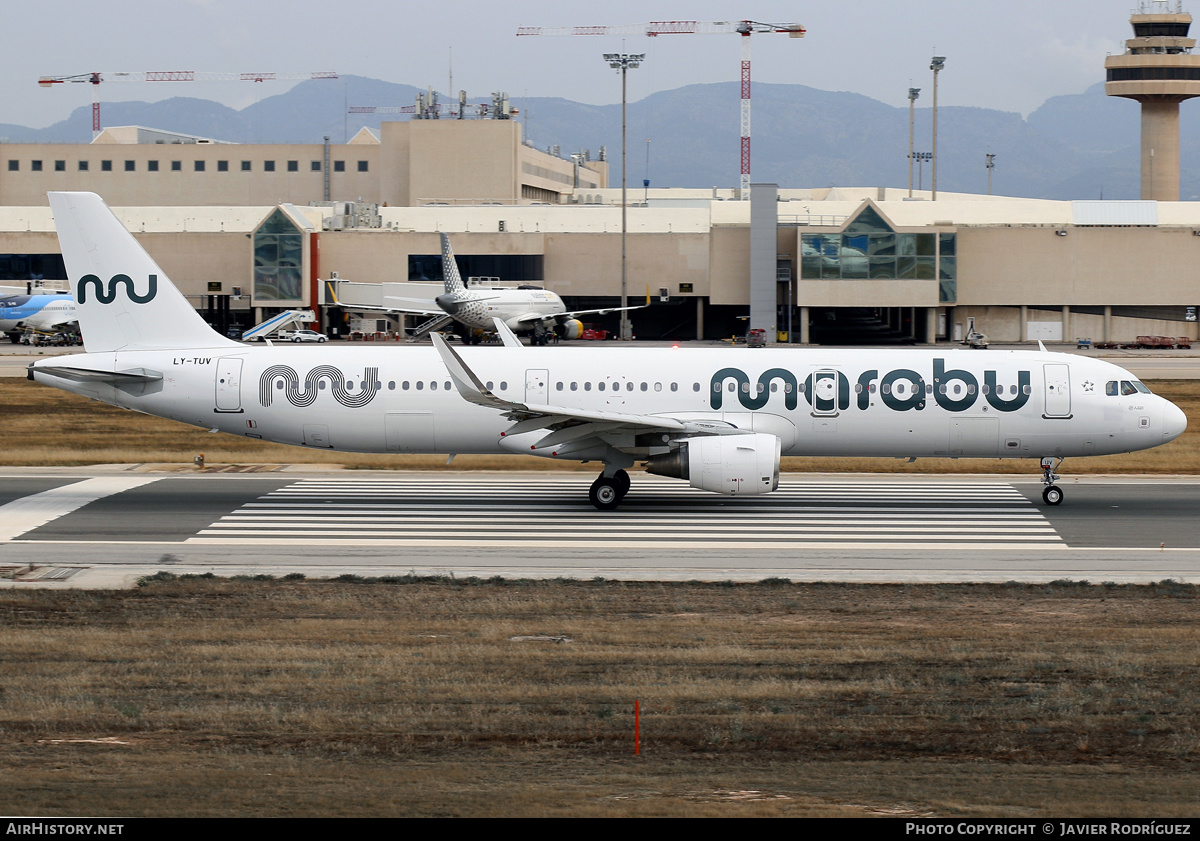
{"points": [[526, 309], [718, 418]]}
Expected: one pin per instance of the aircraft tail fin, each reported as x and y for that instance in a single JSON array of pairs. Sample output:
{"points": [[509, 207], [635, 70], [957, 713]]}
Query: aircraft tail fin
{"points": [[123, 300], [450, 275]]}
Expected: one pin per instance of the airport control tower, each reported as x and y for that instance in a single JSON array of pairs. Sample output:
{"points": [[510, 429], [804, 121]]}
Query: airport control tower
{"points": [[1159, 71]]}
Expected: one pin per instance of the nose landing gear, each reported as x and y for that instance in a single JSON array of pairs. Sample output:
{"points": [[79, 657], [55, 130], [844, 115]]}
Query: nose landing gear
{"points": [[1052, 494]]}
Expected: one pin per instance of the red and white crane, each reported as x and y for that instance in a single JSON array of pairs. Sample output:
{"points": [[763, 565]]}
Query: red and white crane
{"points": [[94, 79], [745, 28]]}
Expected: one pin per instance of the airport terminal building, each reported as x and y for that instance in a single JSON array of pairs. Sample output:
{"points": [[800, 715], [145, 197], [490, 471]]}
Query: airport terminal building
{"points": [[248, 230]]}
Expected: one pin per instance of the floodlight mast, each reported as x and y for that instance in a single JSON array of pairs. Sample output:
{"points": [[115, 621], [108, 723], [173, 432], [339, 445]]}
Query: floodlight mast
{"points": [[936, 64], [621, 62]]}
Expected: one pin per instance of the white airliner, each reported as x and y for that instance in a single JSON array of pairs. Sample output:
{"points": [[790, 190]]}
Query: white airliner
{"points": [[44, 312], [526, 309], [718, 418]]}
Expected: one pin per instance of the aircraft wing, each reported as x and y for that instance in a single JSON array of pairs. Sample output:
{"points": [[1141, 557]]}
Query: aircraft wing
{"points": [[534, 317], [405, 308], [565, 425]]}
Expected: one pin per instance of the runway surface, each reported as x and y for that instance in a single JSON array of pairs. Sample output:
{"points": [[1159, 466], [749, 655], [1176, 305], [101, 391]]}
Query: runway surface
{"points": [[74, 528]]}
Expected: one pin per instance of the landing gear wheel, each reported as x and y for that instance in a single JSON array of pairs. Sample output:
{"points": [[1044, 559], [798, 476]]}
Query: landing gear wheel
{"points": [[623, 483], [1052, 495], [605, 494]]}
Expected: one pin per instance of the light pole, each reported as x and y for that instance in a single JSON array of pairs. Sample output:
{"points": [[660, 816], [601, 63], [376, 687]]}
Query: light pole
{"points": [[622, 62], [991, 164], [913, 93], [936, 65]]}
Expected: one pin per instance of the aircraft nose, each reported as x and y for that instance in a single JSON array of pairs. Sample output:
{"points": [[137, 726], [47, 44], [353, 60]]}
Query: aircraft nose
{"points": [[1174, 421]]}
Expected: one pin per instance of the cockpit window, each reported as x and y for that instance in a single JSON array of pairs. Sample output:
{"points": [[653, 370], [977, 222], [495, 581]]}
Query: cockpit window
{"points": [[1128, 388], [1110, 388]]}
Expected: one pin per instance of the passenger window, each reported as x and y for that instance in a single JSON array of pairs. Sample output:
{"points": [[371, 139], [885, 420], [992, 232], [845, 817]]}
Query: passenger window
{"points": [[629, 386], [1026, 389], [489, 385], [745, 388], [587, 386], [574, 386], [504, 385], [558, 386], [645, 387], [674, 386], [658, 386], [447, 385], [600, 386], [420, 385], [391, 385], [404, 385], [433, 386]]}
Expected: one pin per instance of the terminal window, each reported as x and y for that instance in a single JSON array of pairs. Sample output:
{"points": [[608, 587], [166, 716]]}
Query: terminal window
{"points": [[199, 166], [106, 166], [36, 166], [176, 166], [339, 166], [83, 166], [60, 166], [14, 166], [245, 166], [315, 166], [152, 166], [131, 166], [293, 166], [222, 166], [362, 166], [268, 166]]}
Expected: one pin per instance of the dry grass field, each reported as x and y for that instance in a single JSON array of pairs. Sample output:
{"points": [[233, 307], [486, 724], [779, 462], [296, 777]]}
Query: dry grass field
{"points": [[45, 426], [405, 698]]}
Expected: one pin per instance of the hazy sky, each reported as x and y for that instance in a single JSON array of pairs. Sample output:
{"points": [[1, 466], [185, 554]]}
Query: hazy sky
{"points": [[1009, 55]]}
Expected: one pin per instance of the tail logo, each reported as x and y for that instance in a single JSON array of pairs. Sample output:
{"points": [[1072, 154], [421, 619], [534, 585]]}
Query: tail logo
{"points": [[107, 297]]}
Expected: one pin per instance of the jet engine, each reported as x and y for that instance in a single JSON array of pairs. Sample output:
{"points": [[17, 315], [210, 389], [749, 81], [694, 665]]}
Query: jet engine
{"points": [[570, 329], [727, 464]]}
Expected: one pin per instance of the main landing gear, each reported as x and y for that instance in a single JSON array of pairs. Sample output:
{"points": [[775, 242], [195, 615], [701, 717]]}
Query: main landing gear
{"points": [[607, 492], [1052, 494]]}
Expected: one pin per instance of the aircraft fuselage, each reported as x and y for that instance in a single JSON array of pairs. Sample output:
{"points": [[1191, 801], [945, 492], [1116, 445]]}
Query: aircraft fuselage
{"points": [[908, 403]]}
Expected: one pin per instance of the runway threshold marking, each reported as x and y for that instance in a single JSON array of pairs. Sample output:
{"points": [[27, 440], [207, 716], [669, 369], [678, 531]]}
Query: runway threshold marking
{"points": [[30, 512], [502, 512]]}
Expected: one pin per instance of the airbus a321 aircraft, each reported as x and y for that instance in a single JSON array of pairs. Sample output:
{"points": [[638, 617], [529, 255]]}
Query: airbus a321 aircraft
{"points": [[526, 309], [717, 418]]}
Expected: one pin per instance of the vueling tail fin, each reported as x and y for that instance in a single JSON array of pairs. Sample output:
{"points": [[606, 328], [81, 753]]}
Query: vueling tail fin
{"points": [[450, 275], [124, 301]]}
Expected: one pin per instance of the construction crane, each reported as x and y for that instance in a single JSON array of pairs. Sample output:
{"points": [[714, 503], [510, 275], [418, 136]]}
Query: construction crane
{"points": [[745, 28], [94, 79]]}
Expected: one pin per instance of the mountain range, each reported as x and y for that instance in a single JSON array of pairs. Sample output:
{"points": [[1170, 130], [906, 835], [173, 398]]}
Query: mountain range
{"points": [[1078, 146]]}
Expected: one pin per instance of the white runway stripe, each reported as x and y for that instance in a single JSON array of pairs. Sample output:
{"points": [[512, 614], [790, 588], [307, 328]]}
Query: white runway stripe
{"points": [[510, 511]]}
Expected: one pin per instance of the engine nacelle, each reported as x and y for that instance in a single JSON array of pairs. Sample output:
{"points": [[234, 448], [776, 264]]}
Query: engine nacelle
{"points": [[726, 464], [572, 328]]}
